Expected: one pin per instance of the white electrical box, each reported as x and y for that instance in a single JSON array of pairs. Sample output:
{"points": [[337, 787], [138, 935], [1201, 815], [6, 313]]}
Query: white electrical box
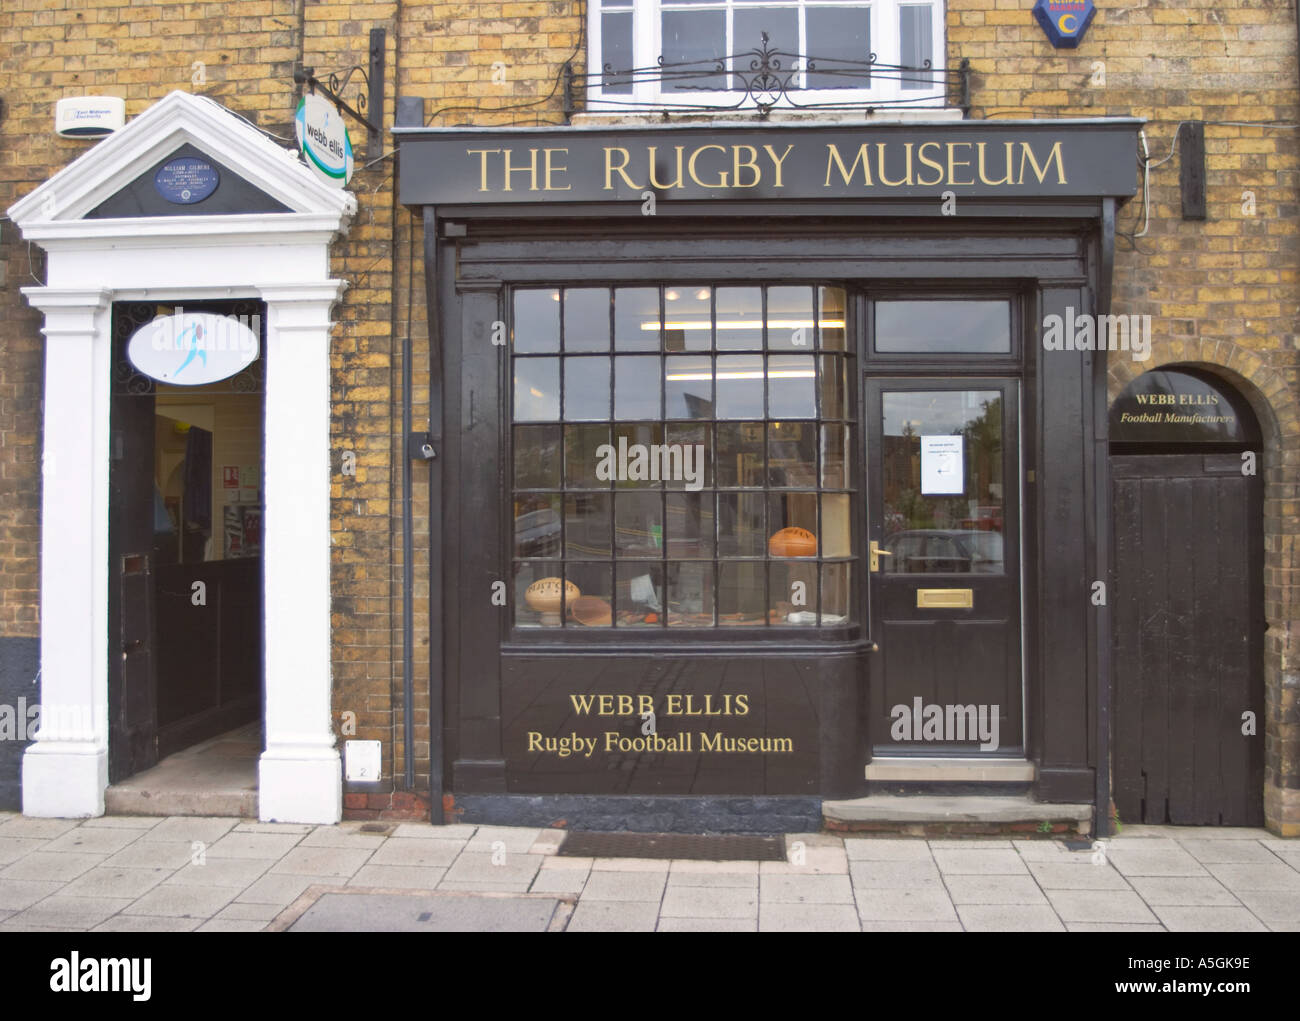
{"points": [[89, 116], [361, 760]]}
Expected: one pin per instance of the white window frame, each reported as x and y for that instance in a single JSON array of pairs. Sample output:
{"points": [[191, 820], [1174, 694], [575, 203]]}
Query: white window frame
{"points": [[885, 40]]}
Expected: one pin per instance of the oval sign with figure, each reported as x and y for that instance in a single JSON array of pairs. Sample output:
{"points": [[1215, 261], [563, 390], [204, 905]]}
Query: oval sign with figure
{"points": [[193, 348], [323, 139]]}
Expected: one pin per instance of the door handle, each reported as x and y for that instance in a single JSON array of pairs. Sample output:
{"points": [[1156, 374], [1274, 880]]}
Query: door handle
{"points": [[876, 554]]}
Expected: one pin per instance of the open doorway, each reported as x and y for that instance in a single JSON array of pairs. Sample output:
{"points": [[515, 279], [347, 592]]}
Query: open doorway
{"points": [[185, 557]]}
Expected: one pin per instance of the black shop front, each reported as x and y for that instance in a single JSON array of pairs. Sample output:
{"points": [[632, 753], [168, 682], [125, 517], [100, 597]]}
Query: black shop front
{"points": [[760, 483]]}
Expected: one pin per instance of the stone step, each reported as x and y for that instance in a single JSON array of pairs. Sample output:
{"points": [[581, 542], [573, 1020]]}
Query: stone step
{"points": [[967, 814], [893, 769]]}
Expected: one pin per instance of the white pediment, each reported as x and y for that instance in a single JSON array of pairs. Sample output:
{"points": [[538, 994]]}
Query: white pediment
{"points": [[55, 210]]}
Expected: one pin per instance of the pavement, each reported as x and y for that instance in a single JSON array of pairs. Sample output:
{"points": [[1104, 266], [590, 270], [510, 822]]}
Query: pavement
{"points": [[136, 873]]}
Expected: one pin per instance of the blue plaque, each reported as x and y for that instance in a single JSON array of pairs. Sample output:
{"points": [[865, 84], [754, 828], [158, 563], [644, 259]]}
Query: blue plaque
{"points": [[186, 180]]}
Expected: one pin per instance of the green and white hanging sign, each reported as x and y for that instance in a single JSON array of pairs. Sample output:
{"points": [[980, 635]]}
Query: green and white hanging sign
{"points": [[323, 140]]}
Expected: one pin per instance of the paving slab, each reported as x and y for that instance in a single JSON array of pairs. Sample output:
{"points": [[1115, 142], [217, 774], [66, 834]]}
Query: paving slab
{"points": [[976, 861], [232, 925], [625, 886], [236, 872], [1171, 861], [126, 822], [62, 911], [248, 912], [16, 894], [93, 841], [252, 844], [893, 875], [339, 836], [147, 923], [1099, 906], [630, 864], [713, 880], [480, 869], [457, 831], [613, 916], [115, 881], [1113, 927], [1076, 876], [926, 905], [886, 849], [426, 853], [284, 828], [178, 901], [994, 890], [384, 912], [1272, 906], [283, 890], [674, 924], [784, 917], [207, 829], [570, 881], [170, 854], [58, 867], [709, 902], [1182, 918], [688, 866], [1052, 851], [873, 926], [398, 877], [514, 839], [1187, 891], [1280, 877], [1009, 918], [40, 829], [1228, 851], [805, 890], [13, 848], [322, 861]]}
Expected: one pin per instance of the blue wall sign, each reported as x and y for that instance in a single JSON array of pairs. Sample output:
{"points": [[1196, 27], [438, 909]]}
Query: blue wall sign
{"points": [[186, 180], [1064, 21]]}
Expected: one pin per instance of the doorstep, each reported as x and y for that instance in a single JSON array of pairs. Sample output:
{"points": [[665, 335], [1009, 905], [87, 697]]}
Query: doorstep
{"points": [[949, 769], [958, 815]]}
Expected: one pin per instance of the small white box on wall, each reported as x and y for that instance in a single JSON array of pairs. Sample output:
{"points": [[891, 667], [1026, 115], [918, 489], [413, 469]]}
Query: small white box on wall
{"points": [[361, 760]]}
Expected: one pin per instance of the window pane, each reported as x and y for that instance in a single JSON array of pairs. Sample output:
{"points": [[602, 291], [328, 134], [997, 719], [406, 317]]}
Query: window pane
{"points": [[537, 389], [582, 455], [616, 50], [586, 526], [836, 526], [740, 318], [594, 605], [690, 525], [688, 386], [740, 386], [834, 453], [696, 453], [537, 526], [789, 318], [636, 386], [586, 388], [693, 37], [537, 321], [640, 593], [637, 458], [791, 390], [834, 386], [740, 525], [638, 525], [792, 592], [689, 318], [690, 595], [782, 27], [792, 524], [740, 594], [914, 27], [740, 454], [586, 319], [967, 327], [838, 34], [537, 457], [544, 605], [836, 595], [831, 323], [792, 455], [636, 319]]}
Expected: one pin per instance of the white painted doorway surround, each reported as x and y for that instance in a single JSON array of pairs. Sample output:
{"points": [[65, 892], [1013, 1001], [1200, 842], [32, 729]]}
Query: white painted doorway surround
{"points": [[280, 258]]}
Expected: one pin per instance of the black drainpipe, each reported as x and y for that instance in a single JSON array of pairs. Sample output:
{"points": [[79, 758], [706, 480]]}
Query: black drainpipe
{"points": [[436, 680], [408, 527]]}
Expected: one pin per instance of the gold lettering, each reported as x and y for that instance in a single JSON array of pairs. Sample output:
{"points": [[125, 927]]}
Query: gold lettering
{"points": [[833, 156], [550, 169], [953, 164], [737, 164], [1006, 180], [531, 169], [690, 166], [1052, 157], [920, 155], [880, 166], [534, 741], [777, 162], [620, 169], [654, 169], [482, 155]]}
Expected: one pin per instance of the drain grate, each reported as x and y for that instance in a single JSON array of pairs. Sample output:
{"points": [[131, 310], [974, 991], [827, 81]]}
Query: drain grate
{"points": [[698, 847]]}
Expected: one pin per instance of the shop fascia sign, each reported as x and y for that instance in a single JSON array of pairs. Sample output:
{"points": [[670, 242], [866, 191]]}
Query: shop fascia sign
{"points": [[450, 166], [323, 140], [193, 348]]}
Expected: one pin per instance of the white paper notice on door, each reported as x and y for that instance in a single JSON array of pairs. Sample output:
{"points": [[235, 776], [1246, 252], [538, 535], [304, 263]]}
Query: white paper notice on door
{"points": [[942, 470]]}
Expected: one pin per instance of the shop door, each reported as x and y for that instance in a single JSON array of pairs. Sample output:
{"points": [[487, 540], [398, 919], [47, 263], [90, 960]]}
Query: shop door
{"points": [[942, 469], [1189, 631]]}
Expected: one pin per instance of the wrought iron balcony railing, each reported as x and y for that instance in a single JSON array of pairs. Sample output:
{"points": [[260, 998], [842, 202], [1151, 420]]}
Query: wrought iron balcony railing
{"points": [[762, 79]]}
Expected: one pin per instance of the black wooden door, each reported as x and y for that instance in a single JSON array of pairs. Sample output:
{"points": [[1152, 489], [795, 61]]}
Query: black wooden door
{"points": [[1188, 632], [943, 511], [132, 695]]}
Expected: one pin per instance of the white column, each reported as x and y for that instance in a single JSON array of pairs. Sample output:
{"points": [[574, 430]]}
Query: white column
{"points": [[300, 775], [66, 770]]}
